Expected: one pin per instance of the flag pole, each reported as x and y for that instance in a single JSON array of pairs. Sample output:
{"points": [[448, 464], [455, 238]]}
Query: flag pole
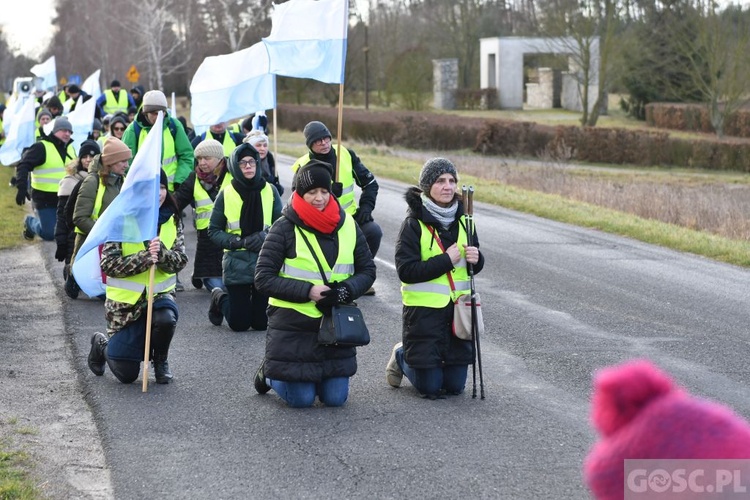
{"points": [[339, 129], [275, 135], [149, 312]]}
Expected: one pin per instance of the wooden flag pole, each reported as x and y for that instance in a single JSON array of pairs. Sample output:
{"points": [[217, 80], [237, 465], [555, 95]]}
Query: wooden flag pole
{"points": [[275, 135], [339, 129], [149, 313]]}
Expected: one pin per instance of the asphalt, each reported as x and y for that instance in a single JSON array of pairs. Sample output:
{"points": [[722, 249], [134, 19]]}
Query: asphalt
{"points": [[43, 404]]}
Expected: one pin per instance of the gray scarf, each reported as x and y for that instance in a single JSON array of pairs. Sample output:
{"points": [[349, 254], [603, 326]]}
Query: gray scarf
{"points": [[445, 216]]}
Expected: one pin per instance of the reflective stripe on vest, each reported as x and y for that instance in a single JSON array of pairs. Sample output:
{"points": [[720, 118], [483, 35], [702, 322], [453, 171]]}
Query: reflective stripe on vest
{"points": [[96, 212], [346, 178], [304, 268], [168, 154], [112, 105], [130, 289], [203, 202], [233, 208], [47, 176], [436, 293]]}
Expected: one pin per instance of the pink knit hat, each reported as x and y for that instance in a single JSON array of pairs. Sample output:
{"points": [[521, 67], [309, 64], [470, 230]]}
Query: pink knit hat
{"points": [[641, 414]]}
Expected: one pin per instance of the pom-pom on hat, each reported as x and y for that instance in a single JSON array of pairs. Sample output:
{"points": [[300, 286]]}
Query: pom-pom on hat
{"points": [[433, 169], [315, 131], [209, 148], [114, 151], [61, 123], [641, 414], [314, 174], [154, 100]]}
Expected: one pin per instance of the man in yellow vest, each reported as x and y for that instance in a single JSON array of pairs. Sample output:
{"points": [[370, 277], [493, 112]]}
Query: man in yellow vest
{"points": [[219, 131], [177, 153], [351, 170], [44, 163], [114, 100]]}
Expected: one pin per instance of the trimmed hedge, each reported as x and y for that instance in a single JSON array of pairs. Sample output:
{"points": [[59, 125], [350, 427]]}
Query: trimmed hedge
{"points": [[694, 118], [440, 132]]}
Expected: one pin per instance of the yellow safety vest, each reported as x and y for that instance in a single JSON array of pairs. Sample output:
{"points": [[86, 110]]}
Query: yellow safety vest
{"points": [[95, 213], [203, 202], [228, 143], [304, 268], [233, 209], [130, 289], [112, 105], [346, 178], [168, 154], [47, 176], [437, 292]]}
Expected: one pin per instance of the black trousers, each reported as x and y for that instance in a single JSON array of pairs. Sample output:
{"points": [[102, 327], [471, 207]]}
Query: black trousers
{"points": [[244, 307]]}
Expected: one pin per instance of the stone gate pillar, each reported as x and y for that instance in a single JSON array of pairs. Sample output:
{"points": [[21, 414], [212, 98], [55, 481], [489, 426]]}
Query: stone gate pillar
{"points": [[445, 83]]}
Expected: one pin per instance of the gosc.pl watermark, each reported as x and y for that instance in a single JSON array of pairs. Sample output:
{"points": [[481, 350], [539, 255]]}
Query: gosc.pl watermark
{"points": [[667, 479]]}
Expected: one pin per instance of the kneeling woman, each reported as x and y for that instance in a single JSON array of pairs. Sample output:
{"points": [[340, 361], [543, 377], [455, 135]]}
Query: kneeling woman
{"points": [[313, 229], [127, 268]]}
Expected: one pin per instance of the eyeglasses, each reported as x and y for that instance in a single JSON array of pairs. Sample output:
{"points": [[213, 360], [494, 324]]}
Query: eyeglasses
{"points": [[322, 141], [118, 129], [249, 163]]}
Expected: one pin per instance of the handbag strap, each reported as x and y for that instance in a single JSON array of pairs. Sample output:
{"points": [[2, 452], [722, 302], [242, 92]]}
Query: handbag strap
{"points": [[440, 245], [315, 256]]}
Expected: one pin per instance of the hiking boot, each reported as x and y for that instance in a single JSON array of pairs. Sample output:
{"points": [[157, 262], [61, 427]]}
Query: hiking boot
{"points": [[197, 283], [370, 291], [162, 373], [97, 360], [260, 380], [215, 316], [71, 287], [393, 373], [28, 234]]}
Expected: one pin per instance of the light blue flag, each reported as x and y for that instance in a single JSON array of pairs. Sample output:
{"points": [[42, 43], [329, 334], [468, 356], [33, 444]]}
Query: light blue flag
{"points": [[82, 121], [131, 217], [308, 39], [20, 134], [230, 86], [47, 71]]}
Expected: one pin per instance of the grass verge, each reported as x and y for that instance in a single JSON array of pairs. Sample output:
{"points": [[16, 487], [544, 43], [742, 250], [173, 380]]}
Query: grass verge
{"points": [[15, 464], [555, 207], [12, 224]]}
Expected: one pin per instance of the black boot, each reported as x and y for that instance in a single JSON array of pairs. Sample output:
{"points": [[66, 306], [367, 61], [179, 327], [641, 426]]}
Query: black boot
{"points": [[97, 360], [260, 380], [163, 329]]}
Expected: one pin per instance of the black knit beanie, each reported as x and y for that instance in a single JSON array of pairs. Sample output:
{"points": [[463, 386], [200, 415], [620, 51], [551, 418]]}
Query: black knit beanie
{"points": [[315, 131], [89, 148], [315, 174], [433, 169]]}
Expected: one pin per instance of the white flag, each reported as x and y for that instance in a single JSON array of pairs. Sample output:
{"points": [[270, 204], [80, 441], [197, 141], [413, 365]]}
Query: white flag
{"points": [[92, 86], [47, 71], [82, 121], [20, 135]]}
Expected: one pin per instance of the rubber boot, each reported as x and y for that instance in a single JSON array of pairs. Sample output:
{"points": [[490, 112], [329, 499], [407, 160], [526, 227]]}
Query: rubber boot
{"points": [[163, 330]]}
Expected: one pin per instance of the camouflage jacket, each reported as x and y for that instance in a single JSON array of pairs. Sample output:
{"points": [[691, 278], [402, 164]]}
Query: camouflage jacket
{"points": [[114, 264]]}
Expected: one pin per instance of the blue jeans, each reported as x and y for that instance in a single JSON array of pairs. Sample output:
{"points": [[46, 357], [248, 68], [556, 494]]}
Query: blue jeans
{"points": [[431, 381], [211, 283], [43, 225], [331, 391]]}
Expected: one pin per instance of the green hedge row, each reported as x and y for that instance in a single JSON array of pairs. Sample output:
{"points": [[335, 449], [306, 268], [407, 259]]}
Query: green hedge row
{"points": [[694, 118], [431, 131]]}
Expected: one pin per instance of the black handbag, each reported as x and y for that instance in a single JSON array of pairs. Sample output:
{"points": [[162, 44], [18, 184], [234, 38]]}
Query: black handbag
{"points": [[345, 326]]}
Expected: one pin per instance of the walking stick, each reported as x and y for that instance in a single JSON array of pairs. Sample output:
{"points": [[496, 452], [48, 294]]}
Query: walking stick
{"points": [[149, 312], [468, 195]]}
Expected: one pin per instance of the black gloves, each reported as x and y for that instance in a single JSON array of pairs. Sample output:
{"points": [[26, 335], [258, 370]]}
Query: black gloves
{"points": [[363, 216], [235, 243], [21, 196], [254, 241], [337, 189], [62, 252], [338, 294]]}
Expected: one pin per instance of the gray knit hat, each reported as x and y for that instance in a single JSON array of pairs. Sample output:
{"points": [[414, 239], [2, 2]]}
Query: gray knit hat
{"points": [[61, 123], [315, 131], [209, 148], [433, 169], [154, 100]]}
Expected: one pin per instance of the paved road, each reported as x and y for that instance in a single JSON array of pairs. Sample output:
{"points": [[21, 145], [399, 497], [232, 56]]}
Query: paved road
{"points": [[559, 303]]}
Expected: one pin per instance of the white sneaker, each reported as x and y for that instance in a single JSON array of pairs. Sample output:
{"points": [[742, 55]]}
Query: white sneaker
{"points": [[393, 373]]}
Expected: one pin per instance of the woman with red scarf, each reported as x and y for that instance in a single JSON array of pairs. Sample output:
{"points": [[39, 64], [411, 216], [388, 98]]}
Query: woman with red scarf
{"points": [[313, 236]]}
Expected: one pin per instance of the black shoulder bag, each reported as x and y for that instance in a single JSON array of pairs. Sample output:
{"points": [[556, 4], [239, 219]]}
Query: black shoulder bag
{"points": [[345, 327]]}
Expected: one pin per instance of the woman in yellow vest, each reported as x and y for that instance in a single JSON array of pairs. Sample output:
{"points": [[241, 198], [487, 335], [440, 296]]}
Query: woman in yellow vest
{"points": [[431, 256], [200, 189], [127, 266], [243, 211], [314, 229], [97, 191]]}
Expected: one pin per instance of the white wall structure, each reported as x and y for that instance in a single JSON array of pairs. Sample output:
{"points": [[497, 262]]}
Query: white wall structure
{"points": [[501, 67], [444, 83]]}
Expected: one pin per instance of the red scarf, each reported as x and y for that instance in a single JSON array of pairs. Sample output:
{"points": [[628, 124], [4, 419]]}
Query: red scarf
{"points": [[324, 220]]}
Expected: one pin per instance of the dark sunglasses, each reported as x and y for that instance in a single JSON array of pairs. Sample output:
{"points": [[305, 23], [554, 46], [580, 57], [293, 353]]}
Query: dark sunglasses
{"points": [[118, 129]]}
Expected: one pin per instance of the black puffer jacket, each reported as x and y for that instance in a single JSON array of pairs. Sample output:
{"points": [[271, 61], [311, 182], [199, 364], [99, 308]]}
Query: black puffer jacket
{"points": [[292, 353], [427, 332]]}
